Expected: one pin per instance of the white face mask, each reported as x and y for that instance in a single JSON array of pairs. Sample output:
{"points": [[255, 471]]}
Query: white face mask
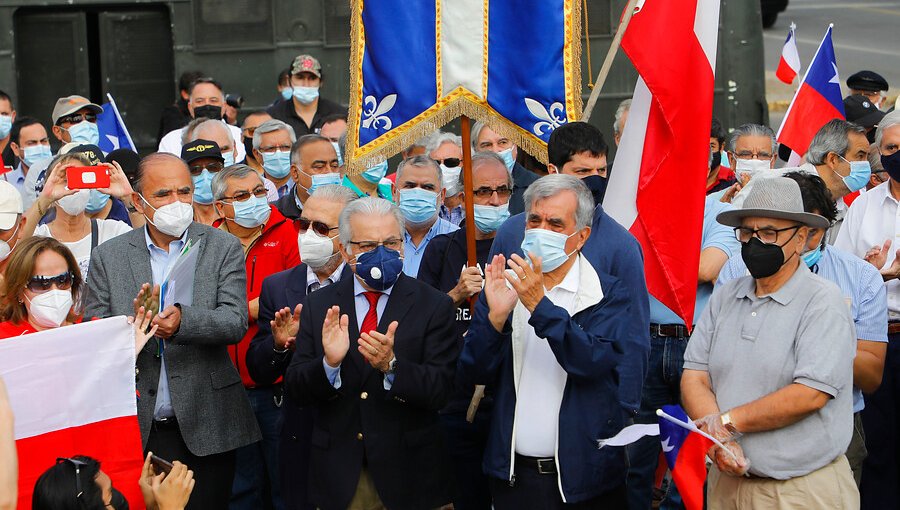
{"points": [[450, 176], [51, 308], [171, 219], [5, 248], [315, 250], [751, 167], [76, 203]]}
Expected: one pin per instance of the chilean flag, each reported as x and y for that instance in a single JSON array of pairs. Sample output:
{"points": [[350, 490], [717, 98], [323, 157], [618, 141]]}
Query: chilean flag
{"points": [[661, 165], [817, 101], [685, 450], [113, 133], [789, 65], [72, 392]]}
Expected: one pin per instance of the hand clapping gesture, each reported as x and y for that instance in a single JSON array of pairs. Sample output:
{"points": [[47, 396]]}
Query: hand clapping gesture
{"points": [[877, 256], [285, 327], [141, 334], [378, 348], [335, 336]]}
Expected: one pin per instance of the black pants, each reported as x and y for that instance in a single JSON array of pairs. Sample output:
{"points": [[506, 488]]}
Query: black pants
{"points": [[880, 487], [533, 490], [214, 474], [466, 442]]}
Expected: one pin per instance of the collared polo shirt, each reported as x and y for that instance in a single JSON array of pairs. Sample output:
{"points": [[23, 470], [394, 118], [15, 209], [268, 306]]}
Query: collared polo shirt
{"points": [[412, 254]]}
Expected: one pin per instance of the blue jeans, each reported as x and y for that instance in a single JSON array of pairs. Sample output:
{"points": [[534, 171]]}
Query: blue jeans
{"points": [[880, 487], [662, 387], [257, 463]]}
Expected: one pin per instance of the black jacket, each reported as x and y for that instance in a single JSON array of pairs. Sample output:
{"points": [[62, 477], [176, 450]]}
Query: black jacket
{"points": [[287, 206], [522, 178], [283, 110]]}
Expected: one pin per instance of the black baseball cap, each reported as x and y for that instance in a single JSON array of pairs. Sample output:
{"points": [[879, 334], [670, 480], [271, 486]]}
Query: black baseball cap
{"points": [[90, 151], [868, 81], [201, 149], [859, 110]]}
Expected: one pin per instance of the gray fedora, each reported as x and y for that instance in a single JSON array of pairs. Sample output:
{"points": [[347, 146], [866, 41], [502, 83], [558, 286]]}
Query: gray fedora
{"points": [[773, 197]]}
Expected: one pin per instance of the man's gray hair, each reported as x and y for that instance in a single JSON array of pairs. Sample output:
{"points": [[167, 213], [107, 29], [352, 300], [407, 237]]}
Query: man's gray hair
{"points": [[220, 180], [303, 141], [421, 142], [624, 107], [890, 120], [439, 138], [188, 131], [367, 206], [334, 193], [205, 126], [481, 158], [750, 130], [421, 161], [554, 184], [270, 126], [832, 137]]}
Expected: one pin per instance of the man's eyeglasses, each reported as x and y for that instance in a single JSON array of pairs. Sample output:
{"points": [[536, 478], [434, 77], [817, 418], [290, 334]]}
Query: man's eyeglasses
{"points": [[44, 283], [77, 464], [270, 149], [391, 244], [766, 235], [75, 118], [752, 155], [213, 167], [317, 226], [448, 162], [485, 192], [243, 195]]}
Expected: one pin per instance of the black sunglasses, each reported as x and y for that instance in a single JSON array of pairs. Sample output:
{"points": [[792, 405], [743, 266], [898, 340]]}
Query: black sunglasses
{"points": [[485, 192], [44, 283], [213, 167], [317, 226], [449, 162], [78, 464], [75, 118]]}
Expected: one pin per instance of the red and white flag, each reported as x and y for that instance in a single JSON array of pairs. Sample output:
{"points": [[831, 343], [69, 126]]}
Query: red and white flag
{"points": [[789, 65], [657, 189], [72, 392]]}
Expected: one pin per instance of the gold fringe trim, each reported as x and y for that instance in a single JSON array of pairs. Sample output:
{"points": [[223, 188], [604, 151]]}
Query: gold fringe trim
{"points": [[572, 60]]}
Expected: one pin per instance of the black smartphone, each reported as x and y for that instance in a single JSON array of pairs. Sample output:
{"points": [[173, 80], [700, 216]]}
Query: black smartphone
{"points": [[160, 465]]}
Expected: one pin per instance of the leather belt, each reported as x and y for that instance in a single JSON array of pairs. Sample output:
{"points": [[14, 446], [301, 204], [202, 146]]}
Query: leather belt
{"points": [[544, 466], [893, 328], [666, 330]]}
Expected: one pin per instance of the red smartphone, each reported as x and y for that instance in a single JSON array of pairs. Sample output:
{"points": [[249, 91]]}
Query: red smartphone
{"points": [[87, 177], [160, 465]]}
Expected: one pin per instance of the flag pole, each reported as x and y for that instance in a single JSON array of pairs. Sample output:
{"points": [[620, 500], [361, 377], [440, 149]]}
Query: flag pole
{"points": [[112, 102], [693, 428], [607, 64]]}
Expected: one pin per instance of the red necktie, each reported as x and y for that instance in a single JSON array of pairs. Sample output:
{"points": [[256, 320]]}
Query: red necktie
{"points": [[370, 321]]}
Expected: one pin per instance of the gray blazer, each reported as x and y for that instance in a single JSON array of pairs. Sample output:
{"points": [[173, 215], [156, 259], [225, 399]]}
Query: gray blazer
{"points": [[210, 403]]}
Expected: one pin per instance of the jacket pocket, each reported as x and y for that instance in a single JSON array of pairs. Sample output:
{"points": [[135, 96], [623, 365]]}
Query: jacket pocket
{"points": [[224, 377]]}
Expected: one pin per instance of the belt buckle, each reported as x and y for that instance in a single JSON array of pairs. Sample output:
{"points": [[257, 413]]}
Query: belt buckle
{"points": [[549, 470]]}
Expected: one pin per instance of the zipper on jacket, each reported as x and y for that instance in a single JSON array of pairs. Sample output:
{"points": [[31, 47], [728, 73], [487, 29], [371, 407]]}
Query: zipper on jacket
{"points": [[252, 273]]}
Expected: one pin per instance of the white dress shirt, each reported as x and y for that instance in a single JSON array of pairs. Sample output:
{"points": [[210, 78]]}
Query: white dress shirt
{"points": [[171, 143]]}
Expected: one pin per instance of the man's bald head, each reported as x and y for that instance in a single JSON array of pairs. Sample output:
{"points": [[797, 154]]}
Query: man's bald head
{"points": [[218, 132], [159, 162]]}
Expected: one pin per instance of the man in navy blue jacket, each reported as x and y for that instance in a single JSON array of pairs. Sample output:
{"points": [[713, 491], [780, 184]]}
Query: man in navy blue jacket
{"points": [[560, 346]]}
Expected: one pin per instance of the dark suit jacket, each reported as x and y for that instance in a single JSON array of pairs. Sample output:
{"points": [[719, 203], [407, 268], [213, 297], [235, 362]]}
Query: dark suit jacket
{"points": [[395, 433], [522, 178], [212, 408], [287, 206]]}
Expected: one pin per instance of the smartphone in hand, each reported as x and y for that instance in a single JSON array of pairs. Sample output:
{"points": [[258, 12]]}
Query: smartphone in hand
{"points": [[160, 465], [87, 177]]}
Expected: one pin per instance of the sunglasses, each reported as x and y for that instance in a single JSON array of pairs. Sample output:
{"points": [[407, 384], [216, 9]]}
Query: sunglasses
{"points": [[317, 226], [75, 118], [486, 192], [449, 162], [243, 195], [44, 283], [78, 465], [213, 167]]}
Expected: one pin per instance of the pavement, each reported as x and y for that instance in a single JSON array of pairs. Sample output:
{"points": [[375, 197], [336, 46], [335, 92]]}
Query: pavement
{"points": [[866, 36]]}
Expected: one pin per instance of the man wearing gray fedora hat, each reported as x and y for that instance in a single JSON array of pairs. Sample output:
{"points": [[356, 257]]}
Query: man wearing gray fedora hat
{"points": [[769, 370]]}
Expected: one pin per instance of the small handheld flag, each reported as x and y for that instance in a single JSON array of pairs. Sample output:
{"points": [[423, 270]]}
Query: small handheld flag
{"points": [[113, 133], [789, 65], [684, 447]]}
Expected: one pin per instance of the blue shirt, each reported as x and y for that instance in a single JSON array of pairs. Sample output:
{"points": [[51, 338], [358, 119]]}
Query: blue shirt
{"points": [[16, 177], [715, 235], [361, 304], [861, 285], [160, 262], [412, 254], [454, 216]]}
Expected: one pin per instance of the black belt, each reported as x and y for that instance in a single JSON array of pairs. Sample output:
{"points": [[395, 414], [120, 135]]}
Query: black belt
{"points": [[165, 423], [893, 327], [665, 330], [544, 466]]}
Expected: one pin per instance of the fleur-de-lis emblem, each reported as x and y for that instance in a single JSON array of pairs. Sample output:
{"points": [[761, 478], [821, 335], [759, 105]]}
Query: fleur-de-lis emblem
{"points": [[374, 114], [550, 119]]}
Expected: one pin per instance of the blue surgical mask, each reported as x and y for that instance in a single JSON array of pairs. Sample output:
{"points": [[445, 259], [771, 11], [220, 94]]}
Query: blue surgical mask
{"points": [[5, 125], [203, 187], [228, 156], [97, 201], [488, 218], [35, 153], [252, 212], [319, 180], [418, 205], [812, 257], [860, 171], [337, 150], [277, 164], [376, 173], [507, 157], [548, 245], [85, 132], [379, 268], [287, 93], [306, 95]]}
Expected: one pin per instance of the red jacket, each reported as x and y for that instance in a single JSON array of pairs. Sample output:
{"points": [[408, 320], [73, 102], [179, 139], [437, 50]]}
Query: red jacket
{"points": [[273, 251]]}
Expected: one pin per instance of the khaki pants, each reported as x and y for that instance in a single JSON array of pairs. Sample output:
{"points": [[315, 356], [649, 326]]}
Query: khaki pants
{"points": [[830, 487], [366, 497]]}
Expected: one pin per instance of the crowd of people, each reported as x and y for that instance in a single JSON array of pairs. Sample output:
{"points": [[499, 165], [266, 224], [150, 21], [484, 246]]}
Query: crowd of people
{"points": [[340, 350]]}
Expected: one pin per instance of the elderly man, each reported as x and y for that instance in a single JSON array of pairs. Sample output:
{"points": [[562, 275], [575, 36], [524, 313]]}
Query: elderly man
{"points": [[550, 340], [375, 386], [272, 142], [446, 149], [751, 151], [769, 367], [444, 267], [869, 84], [273, 346], [192, 407], [75, 120], [270, 246], [578, 149], [419, 191], [206, 100], [204, 160], [870, 231], [486, 139], [314, 163], [861, 286]]}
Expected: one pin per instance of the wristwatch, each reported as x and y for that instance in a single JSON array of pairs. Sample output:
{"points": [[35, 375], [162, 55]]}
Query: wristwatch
{"points": [[392, 366], [725, 419]]}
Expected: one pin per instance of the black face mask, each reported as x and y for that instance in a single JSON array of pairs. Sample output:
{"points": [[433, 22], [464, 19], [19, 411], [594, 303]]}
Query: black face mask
{"points": [[716, 161], [118, 501], [248, 146], [891, 165], [209, 111], [597, 185], [763, 260]]}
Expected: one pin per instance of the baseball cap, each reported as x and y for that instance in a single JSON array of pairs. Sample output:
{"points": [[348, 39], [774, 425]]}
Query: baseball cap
{"points": [[10, 205], [71, 104], [306, 64], [92, 152], [860, 110], [201, 149]]}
